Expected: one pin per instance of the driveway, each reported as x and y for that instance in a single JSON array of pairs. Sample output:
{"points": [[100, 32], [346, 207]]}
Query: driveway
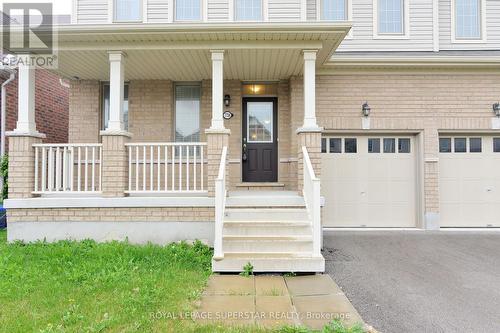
{"points": [[419, 281]]}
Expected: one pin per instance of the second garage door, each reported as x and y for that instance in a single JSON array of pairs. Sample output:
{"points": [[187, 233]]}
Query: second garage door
{"points": [[469, 181], [369, 181]]}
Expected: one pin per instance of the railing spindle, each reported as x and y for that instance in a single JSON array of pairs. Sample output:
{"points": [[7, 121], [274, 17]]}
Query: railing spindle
{"points": [[36, 169], [93, 169]]}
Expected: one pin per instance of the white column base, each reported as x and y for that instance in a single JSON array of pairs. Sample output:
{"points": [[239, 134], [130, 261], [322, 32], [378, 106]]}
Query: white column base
{"points": [[117, 132], [34, 134]]}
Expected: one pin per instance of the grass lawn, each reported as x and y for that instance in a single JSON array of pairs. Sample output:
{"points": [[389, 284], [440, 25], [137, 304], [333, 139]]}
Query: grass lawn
{"points": [[111, 287]]}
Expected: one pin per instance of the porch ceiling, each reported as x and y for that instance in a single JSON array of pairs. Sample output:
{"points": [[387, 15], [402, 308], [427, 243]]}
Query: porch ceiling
{"points": [[265, 51]]}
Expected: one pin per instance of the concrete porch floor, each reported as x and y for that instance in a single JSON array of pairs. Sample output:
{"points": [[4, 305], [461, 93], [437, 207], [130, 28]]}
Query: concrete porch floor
{"points": [[272, 301]]}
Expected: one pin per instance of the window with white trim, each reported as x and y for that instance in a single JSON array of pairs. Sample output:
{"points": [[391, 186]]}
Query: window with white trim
{"points": [[467, 19], [128, 10], [391, 16], [334, 10], [248, 10], [187, 112], [188, 10], [105, 106]]}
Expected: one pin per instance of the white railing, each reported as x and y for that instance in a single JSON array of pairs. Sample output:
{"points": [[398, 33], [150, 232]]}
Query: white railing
{"points": [[312, 197], [220, 204], [67, 168], [166, 167]]}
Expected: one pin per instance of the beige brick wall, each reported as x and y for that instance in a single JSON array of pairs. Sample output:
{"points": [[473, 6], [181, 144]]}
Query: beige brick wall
{"points": [[166, 214], [21, 166], [151, 111], [114, 165], [84, 106]]}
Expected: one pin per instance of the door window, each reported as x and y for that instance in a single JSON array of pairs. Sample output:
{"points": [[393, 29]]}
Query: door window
{"points": [[260, 122]]}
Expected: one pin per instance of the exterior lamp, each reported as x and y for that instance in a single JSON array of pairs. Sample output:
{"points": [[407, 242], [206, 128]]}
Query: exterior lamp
{"points": [[496, 109], [366, 109], [227, 100]]}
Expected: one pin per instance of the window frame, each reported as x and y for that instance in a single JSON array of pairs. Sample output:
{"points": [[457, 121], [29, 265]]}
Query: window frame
{"points": [[319, 15], [202, 13], [482, 21], [405, 22], [141, 13], [235, 10], [102, 117], [174, 108]]}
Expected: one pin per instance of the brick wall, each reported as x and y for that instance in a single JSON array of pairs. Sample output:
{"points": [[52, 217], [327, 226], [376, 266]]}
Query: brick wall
{"points": [[84, 112], [51, 106], [165, 214]]}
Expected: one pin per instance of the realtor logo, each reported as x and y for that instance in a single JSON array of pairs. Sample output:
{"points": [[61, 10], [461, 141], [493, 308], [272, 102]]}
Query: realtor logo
{"points": [[28, 28], [28, 35]]}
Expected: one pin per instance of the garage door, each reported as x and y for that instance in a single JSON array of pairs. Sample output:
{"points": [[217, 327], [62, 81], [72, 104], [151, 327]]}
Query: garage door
{"points": [[469, 181], [369, 181]]}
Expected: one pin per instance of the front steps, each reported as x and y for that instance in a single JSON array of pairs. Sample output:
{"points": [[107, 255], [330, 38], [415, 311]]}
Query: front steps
{"points": [[269, 229]]}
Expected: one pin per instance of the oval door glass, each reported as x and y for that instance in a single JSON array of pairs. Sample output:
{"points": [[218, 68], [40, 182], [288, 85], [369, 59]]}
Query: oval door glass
{"points": [[260, 122]]}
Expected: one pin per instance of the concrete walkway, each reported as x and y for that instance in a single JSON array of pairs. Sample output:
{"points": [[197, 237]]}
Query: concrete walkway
{"points": [[419, 281], [273, 301]]}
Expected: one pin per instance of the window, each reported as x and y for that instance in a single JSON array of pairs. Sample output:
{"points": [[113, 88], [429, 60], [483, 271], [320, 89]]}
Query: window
{"points": [[404, 146], [188, 10], [323, 145], [496, 145], [350, 145], [460, 145], [248, 10], [390, 16], [334, 10], [105, 106], [475, 145], [128, 10], [467, 19], [187, 113], [445, 145], [389, 145], [336, 145], [374, 145]]}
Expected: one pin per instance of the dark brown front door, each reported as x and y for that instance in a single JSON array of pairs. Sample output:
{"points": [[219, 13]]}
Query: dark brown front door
{"points": [[260, 146]]}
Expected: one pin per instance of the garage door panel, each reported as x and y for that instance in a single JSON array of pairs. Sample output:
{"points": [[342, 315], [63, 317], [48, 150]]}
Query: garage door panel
{"points": [[369, 189], [469, 186]]}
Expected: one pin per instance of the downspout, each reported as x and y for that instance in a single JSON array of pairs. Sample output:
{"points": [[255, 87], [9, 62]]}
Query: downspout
{"points": [[3, 119]]}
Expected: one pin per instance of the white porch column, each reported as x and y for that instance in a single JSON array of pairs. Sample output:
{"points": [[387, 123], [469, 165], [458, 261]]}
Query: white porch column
{"points": [[310, 90], [116, 88], [26, 100], [217, 89]]}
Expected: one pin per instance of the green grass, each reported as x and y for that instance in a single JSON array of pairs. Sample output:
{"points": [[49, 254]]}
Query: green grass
{"points": [[110, 287], [89, 287]]}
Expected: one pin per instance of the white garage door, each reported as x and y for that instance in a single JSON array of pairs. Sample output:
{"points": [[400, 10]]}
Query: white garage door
{"points": [[469, 181], [369, 181]]}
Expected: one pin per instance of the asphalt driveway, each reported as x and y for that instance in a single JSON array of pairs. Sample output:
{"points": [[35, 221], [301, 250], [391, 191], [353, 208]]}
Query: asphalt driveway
{"points": [[418, 281]]}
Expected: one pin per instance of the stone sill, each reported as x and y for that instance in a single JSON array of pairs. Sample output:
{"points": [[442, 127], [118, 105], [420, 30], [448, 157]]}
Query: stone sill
{"points": [[100, 202]]}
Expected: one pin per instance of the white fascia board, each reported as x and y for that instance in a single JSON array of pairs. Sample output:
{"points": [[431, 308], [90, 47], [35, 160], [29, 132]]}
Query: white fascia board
{"points": [[99, 202], [413, 61]]}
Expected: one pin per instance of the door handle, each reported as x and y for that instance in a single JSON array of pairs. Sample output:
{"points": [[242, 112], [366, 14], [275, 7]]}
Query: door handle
{"points": [[244, 153]]}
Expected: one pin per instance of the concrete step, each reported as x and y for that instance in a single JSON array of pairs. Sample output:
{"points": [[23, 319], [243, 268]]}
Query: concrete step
{"points": [[277, 228], [264, 199], [264, 243], [293, 214], [270, 262]]}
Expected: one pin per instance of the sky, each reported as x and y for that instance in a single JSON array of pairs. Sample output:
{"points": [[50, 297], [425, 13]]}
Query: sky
{"points": [[60, 7]]}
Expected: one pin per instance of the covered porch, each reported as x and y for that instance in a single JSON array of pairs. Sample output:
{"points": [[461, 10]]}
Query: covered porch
{"points": [[126, 145]]}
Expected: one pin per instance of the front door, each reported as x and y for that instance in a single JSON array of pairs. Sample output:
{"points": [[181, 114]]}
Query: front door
{"points": [[260, 146]]}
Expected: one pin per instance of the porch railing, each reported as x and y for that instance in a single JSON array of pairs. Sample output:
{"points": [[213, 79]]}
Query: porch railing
{"points": [[220, 204], [67, 168], [166, 167], [312, 197]]}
